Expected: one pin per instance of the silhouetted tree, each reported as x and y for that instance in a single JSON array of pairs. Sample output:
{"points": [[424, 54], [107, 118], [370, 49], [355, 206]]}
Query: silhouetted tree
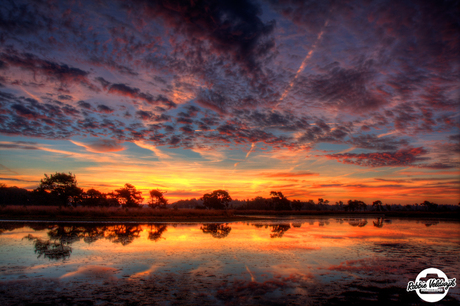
{"points": [[356, 205], [157, 199], [218, 199], [93, 197], [339, 204], [63, 187], [377, 204], [13, 196], [129, 196], [429, 205], [280, 201], [296, 205], [258, 203], [310, 205]]}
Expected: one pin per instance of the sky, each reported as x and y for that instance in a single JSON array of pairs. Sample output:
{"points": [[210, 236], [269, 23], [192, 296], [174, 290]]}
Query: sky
{"points": [[317, 99]]}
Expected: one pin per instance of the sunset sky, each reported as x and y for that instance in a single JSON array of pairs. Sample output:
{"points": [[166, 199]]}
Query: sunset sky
{"points": [[318, 99]]}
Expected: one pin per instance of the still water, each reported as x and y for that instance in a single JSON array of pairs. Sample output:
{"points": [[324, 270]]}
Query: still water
{"points": [[271, 261]]}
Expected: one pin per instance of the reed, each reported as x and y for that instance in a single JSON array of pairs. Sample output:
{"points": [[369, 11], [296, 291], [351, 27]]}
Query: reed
{"points": [[108, 212]]}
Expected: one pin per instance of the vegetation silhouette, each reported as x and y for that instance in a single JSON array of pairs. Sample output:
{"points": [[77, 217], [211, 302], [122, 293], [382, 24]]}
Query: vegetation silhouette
{"points": [[280, 201], [129, 196], [356, 205], [377, 205], [218, 199], [216, 230], [157, 199], [62, 187]]}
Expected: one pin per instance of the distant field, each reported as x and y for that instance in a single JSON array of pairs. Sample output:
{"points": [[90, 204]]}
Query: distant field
{"points": [[109, 213], [147, 214]]}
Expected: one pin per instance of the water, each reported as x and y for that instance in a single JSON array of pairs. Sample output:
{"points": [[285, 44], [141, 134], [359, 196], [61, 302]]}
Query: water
{"points": [[307, 261]]}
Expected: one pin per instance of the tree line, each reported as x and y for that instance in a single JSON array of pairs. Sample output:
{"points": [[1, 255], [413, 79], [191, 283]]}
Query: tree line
{"points": [[61, 189]]}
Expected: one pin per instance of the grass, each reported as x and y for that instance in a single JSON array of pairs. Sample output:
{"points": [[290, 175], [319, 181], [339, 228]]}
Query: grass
{"points": [[52, 213], [107, 213]]}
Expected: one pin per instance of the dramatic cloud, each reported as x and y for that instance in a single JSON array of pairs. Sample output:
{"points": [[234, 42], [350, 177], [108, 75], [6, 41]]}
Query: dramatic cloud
{"points": [[101, 146], [230, 27], [257, 84], [401, 158]]}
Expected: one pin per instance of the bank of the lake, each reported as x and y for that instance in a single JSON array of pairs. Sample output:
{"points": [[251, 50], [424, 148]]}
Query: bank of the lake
{"points": [[55, 213]]}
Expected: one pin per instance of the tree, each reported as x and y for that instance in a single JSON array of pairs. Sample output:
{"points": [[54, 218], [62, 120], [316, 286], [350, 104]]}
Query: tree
{"points": [[157, 199], [129, 196], [377, 204], [356, 205], [63, 187], [93, 197], [280, 201], [429, 205], [218, 199], [296, 205]]}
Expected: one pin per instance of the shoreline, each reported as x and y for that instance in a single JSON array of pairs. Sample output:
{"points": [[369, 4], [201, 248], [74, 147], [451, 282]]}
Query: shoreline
{"points": [[233, 216]]}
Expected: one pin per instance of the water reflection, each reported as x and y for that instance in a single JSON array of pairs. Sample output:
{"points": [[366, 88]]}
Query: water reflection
{"points": [[123, 234], [156, 230], [216, 230], [379, 223], [279, 230], [260, 262], [61, 237], [50, 249]]}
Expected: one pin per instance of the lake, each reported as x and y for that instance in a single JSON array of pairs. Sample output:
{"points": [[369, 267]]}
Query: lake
{"points": [[267, 261]]}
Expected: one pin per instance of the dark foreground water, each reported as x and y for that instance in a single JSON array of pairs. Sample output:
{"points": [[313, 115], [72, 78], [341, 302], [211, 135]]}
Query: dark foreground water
{"points": [[307, 261]]}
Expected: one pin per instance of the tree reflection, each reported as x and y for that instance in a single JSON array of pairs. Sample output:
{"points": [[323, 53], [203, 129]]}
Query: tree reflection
{"points": [[357, 222], [156, 230], [65, 234], [279, 230], [124, 234], [53, 250], [216, 230], [91, 234], [379, 223]]}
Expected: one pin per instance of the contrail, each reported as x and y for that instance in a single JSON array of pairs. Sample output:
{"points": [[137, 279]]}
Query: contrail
{"points": [[252, 148], [304, 64], [253, 145]]}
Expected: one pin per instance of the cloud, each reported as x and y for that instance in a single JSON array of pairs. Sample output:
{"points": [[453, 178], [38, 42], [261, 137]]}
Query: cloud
{"points": [[145, 145], [62, 73], [231, 28], [19, 145], [346, 89], [290, 174], [101, 145], [135, 93], [104, 109], [400, 158]]}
